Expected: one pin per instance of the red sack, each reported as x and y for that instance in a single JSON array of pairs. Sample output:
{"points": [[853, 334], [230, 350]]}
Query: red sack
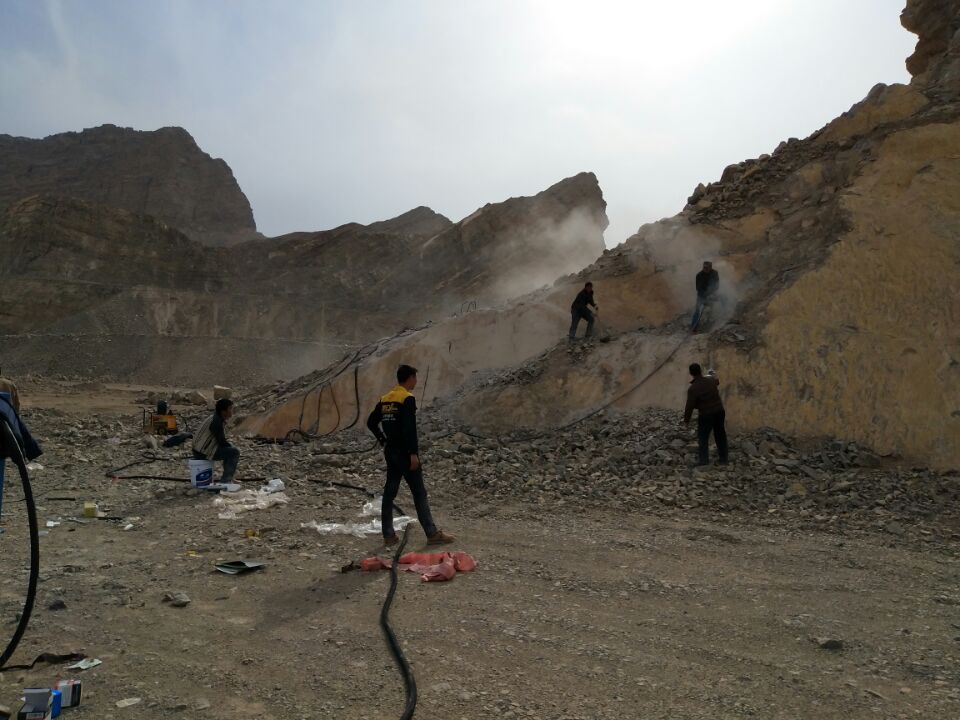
{"points": [[463, 562], [438, 573], [423, 558], [374, 563]]}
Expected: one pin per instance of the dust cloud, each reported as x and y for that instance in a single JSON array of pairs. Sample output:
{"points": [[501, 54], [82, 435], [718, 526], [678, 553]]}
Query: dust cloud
{"points": [[565, 246], [678, 251]]}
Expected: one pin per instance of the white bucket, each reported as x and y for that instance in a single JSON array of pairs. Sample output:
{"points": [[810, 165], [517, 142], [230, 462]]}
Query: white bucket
{"points": [[201, 472]]}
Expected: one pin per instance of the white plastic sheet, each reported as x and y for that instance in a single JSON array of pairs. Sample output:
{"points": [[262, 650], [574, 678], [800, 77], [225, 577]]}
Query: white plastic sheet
{"points": [[359, 529], [274, 486], [232, 504]]}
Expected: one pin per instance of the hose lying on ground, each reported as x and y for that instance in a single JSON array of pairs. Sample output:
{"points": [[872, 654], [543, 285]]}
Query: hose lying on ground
{"points": [[409, 682], [9, 440], [148, 458]]}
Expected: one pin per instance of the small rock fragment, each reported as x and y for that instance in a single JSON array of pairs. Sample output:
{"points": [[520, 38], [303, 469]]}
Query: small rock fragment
{"points": [[177, 599]]}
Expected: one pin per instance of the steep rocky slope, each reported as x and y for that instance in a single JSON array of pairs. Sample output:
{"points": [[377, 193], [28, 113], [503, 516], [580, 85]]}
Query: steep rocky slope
{"points": [[103, 292], [160, 173], [838, 256]]}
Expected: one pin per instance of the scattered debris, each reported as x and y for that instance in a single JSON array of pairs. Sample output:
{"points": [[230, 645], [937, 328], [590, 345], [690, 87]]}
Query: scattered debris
{"points": [[177, 599], [57, 603], [85, 664], [238, 567], [825, 643], [247, 500], [431, 567]]}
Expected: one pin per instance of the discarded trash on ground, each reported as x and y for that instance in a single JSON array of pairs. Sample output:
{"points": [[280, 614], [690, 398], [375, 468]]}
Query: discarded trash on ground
{"points": [[274, 486], [221, 487], [70, 692], [371, 527], [52, 523], [85, 664], [34, 467], [127, 702], [238, 567], [235, 503], [432, 567], [359, 530]]}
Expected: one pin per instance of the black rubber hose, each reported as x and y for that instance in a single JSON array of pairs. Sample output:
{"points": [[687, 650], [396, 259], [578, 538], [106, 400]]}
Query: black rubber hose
{"points": [[10, 440], [408, 680], [356, 397]]}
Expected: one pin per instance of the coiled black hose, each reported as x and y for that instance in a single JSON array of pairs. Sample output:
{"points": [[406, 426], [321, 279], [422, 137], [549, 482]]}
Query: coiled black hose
{"points": [[9, 440], [410, 684]]}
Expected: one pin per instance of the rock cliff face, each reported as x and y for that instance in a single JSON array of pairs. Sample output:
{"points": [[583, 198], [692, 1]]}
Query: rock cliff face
{"points": [[160, 173], [839, 256], [935, 64], [94, 290]]}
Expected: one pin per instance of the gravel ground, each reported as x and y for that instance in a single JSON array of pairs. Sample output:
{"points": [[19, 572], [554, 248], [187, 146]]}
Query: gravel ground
{"points": [[614, 581]]}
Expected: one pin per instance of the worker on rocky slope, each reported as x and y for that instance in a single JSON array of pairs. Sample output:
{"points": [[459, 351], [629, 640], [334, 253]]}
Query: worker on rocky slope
{"points": [[210, 441], [708, 283], [396, 412], [703, 395], [579, 310]]}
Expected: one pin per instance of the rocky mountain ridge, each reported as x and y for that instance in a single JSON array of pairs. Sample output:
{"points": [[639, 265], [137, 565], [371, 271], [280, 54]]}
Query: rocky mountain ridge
{"points": [[835, 253], [161, 173], [108, 293]]}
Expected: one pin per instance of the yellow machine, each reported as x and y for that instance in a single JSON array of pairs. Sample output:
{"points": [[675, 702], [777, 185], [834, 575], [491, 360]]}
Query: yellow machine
{"points": [[161, 422]]}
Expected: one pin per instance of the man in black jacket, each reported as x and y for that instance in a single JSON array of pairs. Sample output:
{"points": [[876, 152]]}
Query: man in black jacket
{"points": [[397, 413], [580, 310], [703, 395], [708, 283], [18, 444]]}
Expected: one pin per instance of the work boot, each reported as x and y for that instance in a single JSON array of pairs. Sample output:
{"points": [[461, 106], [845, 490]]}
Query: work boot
{"points": [[440, 538], [392, 540]]}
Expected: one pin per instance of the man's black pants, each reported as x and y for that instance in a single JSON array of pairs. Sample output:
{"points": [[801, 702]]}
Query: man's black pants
{"points": [[398, 466], [705, 425], [229, 456]]}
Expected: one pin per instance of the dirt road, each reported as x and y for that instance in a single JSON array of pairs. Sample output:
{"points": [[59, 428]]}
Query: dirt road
{"points": [[574, 612]]}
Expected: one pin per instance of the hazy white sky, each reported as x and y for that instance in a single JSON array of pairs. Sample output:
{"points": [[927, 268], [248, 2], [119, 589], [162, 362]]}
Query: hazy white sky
{"points": [[330, 112]]}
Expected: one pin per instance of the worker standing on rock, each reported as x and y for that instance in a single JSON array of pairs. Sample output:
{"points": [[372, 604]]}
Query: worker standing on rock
{"points": [[396, 412], [210, 441], [708, 283], [703, 395], [579, 310]]}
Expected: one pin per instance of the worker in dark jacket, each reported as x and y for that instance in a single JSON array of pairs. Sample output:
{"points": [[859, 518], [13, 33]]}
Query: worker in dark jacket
{"points": [[579, 310], [18, 444], [703, 395], [708, 283], [397, 413], [210, 441]]}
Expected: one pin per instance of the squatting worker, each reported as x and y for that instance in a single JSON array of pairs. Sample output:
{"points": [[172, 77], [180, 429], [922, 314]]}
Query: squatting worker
{"points": [[708, 283], [703, 395], [579, 310], [210, 441], [397, 413]]}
